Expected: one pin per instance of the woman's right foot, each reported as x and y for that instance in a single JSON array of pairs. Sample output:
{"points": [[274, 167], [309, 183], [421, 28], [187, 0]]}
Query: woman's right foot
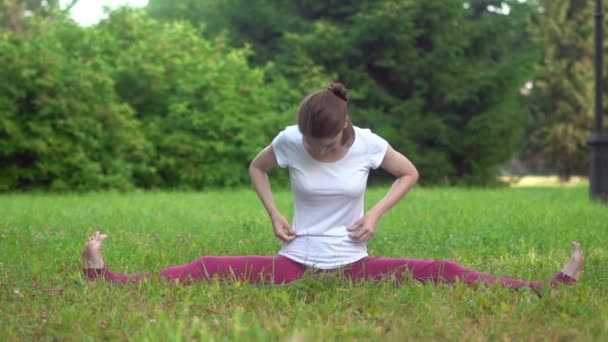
{"points": [[575, 265], [91, 254]]}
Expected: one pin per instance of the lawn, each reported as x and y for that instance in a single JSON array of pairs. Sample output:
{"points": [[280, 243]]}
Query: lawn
{"points": [[519, 232]]}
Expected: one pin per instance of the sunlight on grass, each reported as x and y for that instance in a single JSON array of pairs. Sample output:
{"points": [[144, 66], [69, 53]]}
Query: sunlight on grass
{"points": [[542, 181]]}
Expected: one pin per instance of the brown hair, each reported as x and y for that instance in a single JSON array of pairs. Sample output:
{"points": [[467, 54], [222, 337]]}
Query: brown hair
{"points": [[323, 114]]}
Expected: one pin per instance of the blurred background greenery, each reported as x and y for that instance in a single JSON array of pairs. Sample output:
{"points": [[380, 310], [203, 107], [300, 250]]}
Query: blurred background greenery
{"points": [[182, 94]]}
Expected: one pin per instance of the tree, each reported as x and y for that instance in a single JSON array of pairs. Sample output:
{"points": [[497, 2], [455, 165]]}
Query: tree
{"points": [[12, 12], [62, 126], [562, 97], [130, 102], [205, 112], [439, 79]]}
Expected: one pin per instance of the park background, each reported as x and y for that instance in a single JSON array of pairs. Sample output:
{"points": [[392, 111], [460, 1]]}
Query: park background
{"points": [[181, 95], [142, 125]]}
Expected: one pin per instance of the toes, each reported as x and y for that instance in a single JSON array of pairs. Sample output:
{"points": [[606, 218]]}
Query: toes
{"points": [[98, 237], [577, 246]]}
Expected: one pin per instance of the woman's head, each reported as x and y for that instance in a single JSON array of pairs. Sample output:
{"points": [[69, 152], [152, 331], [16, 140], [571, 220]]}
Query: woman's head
{"points": [[324, 115]]}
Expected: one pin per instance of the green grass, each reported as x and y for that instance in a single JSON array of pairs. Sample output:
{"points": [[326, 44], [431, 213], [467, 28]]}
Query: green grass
{"points": [[524, 232]]}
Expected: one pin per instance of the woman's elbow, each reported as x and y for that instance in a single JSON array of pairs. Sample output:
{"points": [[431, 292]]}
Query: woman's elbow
{"points": [[256, 168], [253, 168], [414, 175]]}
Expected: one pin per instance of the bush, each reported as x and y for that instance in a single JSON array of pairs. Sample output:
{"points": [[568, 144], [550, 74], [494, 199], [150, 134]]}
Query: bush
{"points": [[61, 124]]}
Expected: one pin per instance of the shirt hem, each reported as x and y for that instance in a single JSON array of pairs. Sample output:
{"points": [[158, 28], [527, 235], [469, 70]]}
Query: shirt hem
{"points": [[322, 266]]}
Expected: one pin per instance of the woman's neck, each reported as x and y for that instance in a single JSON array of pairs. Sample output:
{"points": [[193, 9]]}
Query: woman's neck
{"points": [[331, 156]]}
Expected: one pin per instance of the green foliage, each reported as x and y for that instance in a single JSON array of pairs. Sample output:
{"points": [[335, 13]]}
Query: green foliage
{"points": [[204, 111], [439, 79], [131, 102], [183, 94], [61, 125], [562, 97]]}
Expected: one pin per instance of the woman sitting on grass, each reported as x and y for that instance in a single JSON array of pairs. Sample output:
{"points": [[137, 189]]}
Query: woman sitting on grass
{"points": [[329, 160]]}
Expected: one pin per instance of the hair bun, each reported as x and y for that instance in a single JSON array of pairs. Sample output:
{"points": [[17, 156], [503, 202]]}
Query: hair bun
{"points": [[339, 90]]}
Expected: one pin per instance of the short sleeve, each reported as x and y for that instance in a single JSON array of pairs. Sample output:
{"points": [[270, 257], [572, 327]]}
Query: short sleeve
{"points": [[280, 145], [376, 148]]}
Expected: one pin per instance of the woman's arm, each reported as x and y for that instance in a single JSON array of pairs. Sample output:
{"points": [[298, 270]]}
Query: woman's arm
{"points": [[398, 165], [258, 171]]}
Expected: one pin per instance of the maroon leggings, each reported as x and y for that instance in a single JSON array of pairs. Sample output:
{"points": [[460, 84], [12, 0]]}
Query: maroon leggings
{"points": [[281, 270]]}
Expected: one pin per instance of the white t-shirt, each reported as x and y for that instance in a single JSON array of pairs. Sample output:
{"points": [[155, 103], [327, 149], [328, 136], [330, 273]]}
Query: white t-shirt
{"points": [[328, 197]]}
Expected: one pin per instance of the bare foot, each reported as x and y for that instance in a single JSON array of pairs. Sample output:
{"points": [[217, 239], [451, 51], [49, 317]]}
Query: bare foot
{"points": [[91, 254], [575, 265]]}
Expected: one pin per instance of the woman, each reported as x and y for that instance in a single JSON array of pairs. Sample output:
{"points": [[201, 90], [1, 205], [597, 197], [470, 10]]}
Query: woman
{"points": [[329, 161]]}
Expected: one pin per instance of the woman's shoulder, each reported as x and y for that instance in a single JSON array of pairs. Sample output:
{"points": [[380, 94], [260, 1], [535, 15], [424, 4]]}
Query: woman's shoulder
{"points": [[366, 133], [292, 130], [289, 135], [372, 145], [369, 140]]}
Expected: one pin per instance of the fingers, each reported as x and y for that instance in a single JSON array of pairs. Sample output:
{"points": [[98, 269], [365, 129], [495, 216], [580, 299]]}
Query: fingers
{"points": [[285, 235], [362, 234], [282, 229], [288, 238], [362, 230], [355, 226], [362, 238], [284, 232], [97, 236], [290, 231]]}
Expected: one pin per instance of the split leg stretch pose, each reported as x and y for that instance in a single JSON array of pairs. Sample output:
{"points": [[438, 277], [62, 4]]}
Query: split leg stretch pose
{"points": [[281, 270], [329, 160]]}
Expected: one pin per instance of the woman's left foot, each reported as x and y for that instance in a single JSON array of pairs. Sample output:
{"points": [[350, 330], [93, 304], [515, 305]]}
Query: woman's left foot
{"points": [[575, 265]]}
